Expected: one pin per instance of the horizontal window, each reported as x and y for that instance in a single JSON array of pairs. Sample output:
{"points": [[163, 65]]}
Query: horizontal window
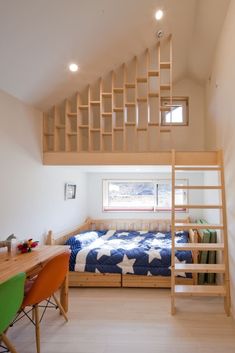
{"points": [[141, 195]]}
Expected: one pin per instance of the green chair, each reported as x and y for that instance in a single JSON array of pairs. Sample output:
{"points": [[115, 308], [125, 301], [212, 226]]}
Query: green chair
{"points": [[11, 297]]}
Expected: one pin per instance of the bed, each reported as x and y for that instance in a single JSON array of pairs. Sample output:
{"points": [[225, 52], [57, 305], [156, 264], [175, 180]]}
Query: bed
{"points": [[124, 253]]}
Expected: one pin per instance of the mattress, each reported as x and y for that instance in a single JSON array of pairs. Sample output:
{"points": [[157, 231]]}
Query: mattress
{"points": [[126, 252]]}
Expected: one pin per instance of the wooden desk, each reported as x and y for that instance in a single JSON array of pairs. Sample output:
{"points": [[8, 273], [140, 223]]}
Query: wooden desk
{"points": [[31, 263]]}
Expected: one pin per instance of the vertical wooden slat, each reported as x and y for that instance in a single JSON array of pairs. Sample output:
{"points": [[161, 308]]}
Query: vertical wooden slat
{"points": [[223, 216], [124, 107], [173, 234], [112, 106], [89, 117]]}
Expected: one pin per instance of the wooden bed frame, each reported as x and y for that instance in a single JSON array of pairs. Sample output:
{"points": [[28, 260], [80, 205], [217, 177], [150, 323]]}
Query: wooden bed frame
{"points": [[88, 279]]}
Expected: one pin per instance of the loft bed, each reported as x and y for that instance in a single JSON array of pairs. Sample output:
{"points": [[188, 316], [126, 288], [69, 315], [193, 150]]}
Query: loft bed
{"points": [[92, 279]]}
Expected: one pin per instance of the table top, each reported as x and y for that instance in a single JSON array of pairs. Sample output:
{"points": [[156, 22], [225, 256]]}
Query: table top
{"points": [[11, 264]]}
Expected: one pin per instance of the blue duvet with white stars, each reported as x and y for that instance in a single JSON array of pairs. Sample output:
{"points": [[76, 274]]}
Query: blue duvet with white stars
{"points": [[126, 252]]}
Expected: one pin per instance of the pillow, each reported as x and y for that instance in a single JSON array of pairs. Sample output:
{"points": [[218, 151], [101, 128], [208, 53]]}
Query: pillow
{"points": [[83, 239]]}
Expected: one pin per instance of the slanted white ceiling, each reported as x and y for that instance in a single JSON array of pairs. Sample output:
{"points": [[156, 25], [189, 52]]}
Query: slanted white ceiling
{"points": [[38, 38]]}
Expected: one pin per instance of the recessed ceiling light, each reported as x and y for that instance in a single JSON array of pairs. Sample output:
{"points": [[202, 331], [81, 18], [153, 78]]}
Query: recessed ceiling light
{"points": [[73, 67], [158, 15]]}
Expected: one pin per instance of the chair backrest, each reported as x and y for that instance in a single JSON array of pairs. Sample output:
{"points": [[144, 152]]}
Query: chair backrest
{"points": [[11, 297], [48, 280]]}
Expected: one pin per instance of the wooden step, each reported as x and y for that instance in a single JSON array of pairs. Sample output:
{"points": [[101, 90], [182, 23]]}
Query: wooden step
{"points": [[153, 124], [130, 123], [142, 128], [107, 114], [107, 133], [83, 126], [200, 268], [198, 290], [153, 73], [202, 168], [83, 107], [60, 126], [165, 65], [142, 99], [72, 134], [130, 85], [153, 95], [118, 90], [165, 87], [197, 226], [107, 94], [118, 110], [72, 114], [199, 246], [130, 104], [200, 206], [198, 187], [95, 102], [94, 129], [118, 128], [142, 79]]}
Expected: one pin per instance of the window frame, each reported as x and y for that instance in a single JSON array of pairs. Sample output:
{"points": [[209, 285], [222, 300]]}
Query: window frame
{"points": [[155, 208], [175, 100]]}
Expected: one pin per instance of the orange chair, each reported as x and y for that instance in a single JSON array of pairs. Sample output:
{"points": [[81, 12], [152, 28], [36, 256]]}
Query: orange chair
{"points": [[48, 281]]}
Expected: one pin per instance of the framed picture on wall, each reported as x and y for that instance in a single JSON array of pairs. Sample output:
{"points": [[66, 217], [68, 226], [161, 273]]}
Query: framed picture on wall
{"points": [[70, 191]]}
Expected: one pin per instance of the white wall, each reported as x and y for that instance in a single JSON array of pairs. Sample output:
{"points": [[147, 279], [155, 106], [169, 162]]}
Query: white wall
{"points": [[95, 195], [220, 122], [32, 195], [191, 137]]}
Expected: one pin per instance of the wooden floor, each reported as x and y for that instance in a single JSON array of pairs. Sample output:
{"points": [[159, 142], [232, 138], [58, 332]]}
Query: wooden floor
{"points": [[130, 321]]}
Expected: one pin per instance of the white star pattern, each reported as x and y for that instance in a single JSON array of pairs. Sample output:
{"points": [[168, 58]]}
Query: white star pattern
{"points": [[106, 250], [126, 265], [153, 254], [177, 261]]}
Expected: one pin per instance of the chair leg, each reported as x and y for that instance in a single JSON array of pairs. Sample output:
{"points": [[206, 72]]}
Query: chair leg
{"points": [[8, 343], [60, 307], [37, 327]]}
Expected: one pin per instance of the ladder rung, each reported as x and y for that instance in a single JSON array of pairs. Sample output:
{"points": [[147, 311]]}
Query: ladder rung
{"points": [[83, 107], [200, 268], [107, 114], [130, 104], [72, 114], [130, 85], [202, 168], [200, 206], [152, 73], [130, 124], [118, 90], [142, 128], [106, 94], [95, 102], [153, 95], [198, 187], [118, 128], [165, 108], [141, 79], [165, 65], [142, 99], [199, 246], [198, 290], [83, 126], [94, 129], [118, 110], [153, 124], [71, 133], [165, 87], [197, 226], [107, 133]]}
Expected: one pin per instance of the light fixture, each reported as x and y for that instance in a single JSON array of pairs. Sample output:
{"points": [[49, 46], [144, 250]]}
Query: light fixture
{"points": [[73, 67], [158, 15]]}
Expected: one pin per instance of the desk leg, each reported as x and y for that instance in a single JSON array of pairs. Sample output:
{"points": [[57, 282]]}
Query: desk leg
{"points": [[64, 293]]}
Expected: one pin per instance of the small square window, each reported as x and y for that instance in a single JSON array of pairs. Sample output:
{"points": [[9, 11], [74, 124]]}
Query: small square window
{"points": [[175, 114]]}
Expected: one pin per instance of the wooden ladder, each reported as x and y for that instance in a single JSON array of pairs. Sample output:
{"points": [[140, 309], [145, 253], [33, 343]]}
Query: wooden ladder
{"points": [[222, 290]]}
